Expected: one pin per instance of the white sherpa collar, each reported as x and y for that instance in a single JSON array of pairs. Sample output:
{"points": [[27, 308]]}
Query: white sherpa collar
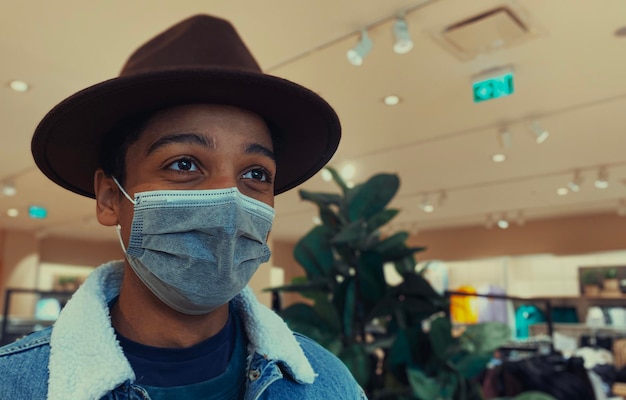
{"points": [[86, 361]]}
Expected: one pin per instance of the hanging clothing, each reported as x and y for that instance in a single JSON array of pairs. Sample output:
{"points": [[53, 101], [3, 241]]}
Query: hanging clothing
{"points": [[464, 309]]}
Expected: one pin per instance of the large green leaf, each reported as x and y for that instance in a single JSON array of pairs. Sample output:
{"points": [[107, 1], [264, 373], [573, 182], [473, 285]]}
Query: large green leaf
{"points": [[349, 311], [358, 362], [405, 265], [327, 312], [533, 396], [351, 234], [424, 387], [373, 196], [416, 285], [338, 179], [371, 276], [487, 336], [440, 336], [304, 319], [381, 218], [391, 243], [321, 199], [314, 253]]}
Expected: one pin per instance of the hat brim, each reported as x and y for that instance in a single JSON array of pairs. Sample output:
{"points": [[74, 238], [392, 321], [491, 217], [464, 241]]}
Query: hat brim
{"points": [[304, 127]]}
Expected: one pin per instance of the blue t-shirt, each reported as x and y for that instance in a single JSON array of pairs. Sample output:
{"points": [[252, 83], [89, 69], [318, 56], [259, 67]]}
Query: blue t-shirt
{"points": [[213, 369]]}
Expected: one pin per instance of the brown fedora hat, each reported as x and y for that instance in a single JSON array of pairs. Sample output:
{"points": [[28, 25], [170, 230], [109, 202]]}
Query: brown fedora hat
{"points": [[199, 60]]}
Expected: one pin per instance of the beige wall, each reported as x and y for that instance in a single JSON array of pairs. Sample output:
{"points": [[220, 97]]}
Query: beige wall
{"points": [[562, 236]]}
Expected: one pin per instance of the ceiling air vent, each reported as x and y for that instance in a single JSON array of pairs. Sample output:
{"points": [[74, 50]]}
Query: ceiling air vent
{"points": [[484, 33]]}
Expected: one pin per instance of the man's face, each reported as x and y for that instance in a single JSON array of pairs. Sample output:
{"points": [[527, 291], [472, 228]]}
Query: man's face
{"points": [[196, 147]]}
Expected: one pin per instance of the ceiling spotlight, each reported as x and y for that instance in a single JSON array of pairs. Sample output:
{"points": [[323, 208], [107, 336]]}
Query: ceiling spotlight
{"points": [[602, 181], [9, 190], [13, 212], [443, 197], [19, 86], [503, 223], [498, 158], [391, 100], [426, 205], [403, 42], [540, 134], [363, 47], [562, 191], [505, 139], [574, 184]]}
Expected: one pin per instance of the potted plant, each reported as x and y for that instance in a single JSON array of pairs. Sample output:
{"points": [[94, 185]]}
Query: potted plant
{"points": [[590, 280], [610, 284], [396, 340]]}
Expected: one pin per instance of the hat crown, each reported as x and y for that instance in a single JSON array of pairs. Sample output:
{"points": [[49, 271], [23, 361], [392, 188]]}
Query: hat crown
{"points": [[201, 41]]}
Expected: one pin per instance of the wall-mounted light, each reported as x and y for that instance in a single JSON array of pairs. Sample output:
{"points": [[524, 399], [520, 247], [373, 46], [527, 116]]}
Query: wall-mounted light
{"points": [[602, 180], [575, 183], [541, 135], [403, 42], [363, 47], [426, 205], [505, 139], [503, 223]]}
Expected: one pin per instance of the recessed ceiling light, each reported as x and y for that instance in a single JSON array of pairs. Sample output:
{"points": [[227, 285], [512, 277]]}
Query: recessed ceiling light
{"points": [[562, 191], [9, 190], [13, 212], [18, 86], [498, 158], [391, 100]]}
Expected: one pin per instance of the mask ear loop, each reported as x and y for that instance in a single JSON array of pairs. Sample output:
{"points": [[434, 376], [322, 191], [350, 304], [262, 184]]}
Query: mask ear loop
{"points": [[123, 191], [119, 227], [119, 236]]}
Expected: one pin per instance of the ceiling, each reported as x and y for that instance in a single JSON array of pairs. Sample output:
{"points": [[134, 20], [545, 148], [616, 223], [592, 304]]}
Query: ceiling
{"points": [[569, 76]]}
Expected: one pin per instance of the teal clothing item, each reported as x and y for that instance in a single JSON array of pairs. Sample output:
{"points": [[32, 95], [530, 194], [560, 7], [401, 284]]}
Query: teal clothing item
{"points": [[525, 316], [227, 386], [80, 358]]}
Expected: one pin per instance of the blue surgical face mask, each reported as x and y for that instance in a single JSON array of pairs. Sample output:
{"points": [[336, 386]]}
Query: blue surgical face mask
{"points": [[197, 249]]}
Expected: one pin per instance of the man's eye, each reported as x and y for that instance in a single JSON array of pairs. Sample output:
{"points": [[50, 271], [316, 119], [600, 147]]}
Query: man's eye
{"points": [[257, 174], [184, 164]]}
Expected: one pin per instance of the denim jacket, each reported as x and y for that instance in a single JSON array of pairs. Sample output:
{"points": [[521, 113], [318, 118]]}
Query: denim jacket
{"points": [[80, 358]]}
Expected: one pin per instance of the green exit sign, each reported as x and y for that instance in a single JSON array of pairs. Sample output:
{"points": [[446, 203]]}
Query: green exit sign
{"points": [[493, 87]]}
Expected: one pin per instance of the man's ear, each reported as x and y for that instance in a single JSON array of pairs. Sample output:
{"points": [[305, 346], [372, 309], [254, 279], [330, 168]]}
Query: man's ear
{"points": [[107, 199]]}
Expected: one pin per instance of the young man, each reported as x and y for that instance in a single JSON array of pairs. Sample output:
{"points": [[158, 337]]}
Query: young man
{"points": [[183, 153]]}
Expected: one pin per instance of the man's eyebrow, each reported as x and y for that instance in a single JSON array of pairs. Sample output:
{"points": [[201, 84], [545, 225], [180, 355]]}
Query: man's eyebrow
{"points": [[189, 138], [256, 148]]}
